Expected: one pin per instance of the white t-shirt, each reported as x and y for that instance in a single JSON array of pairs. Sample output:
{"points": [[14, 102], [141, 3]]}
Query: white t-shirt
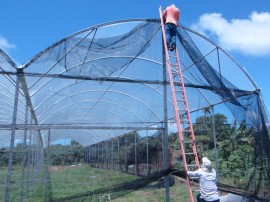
{"points": [[208, 187]]}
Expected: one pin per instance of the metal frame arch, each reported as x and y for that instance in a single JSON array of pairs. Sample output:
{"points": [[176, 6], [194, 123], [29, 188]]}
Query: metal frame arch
{"points": [[13, 93], [218, 47], [95, 115], [95, 101], [106, 110], [49, 80], [109, 57], [133, 20], [57, 62], [87, 61], [69, 103], [85, 30], [8, 59], [81, 138], [20, 115], [75, 84], [126, 94], [119, 92]]}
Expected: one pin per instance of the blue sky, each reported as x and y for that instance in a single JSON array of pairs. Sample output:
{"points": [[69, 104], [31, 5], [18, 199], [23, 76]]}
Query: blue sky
{"points": [[241, 27]]}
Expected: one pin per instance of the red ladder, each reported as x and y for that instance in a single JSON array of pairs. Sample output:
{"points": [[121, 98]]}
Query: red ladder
{"points": [[183, 120]]}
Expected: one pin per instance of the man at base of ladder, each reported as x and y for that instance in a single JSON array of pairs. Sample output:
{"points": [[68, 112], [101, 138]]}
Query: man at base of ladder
{"points": [[207, 178], [171, 16]]}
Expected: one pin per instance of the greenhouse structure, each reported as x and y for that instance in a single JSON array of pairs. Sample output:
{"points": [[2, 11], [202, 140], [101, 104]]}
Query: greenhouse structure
{"points": [[97, 105]]}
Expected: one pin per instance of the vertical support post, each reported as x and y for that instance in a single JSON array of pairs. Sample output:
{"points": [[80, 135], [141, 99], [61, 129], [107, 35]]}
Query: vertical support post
{"points": [[24, 153], [102, 153], [93, 154], [165, 130], [98, 154], [118, 151], [47, 191], [147, 154], [29, 159], [90, 153], [12, 139], [107, 154], [35, 162], [92, 158], [85, 155], [84, 159], [112, 154], [136, 163], [126, 153], [33, 157], [215, 141]]}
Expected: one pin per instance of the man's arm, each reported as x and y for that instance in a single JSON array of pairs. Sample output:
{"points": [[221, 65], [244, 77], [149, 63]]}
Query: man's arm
{"points": [[194, 173]]}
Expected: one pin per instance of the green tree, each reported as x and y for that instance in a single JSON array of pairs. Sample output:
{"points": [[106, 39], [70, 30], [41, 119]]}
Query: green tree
{"points": [[236, 153]]}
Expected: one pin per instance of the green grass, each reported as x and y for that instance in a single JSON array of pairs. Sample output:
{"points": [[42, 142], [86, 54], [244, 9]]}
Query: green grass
{"points": [[178, 192], [83, 183]]}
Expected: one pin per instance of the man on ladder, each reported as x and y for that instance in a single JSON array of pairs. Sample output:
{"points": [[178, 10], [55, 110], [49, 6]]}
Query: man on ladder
{"points": [[180, 104], [171, 16]]}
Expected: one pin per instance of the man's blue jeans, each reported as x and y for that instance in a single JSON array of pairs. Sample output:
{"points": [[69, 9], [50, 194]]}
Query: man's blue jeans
{"points": [[170, 30]]}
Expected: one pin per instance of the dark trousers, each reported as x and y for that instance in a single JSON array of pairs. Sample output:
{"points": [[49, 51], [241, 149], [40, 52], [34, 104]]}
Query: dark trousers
{"points": [[170, 30], [199, 199]]}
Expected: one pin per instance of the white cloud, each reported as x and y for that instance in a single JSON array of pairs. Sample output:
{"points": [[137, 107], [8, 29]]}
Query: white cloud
{"points": [[5, 45], [249, 36]]}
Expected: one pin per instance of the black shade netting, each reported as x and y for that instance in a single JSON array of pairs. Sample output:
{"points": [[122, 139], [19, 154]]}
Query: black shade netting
{"points": [[105, 90]]}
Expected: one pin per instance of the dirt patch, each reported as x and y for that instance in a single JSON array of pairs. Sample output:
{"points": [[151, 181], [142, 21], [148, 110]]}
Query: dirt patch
{"points": [[58, 168]]}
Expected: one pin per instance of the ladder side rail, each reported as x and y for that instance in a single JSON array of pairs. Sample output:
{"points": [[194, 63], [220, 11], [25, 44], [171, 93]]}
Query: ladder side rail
{"points": [[187, 110], [181, 140], [178, 123]]}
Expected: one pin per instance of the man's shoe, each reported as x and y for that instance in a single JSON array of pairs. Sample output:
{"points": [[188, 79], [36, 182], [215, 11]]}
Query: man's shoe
{"points": [[172, 47]]}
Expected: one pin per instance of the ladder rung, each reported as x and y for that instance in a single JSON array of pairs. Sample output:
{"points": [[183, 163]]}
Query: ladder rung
{"points": [[186, 130], [183, 117], [180, 100], [184, 121], [175, 65], [188, 142], [192, 165], [193, 178], [190, 139], [172, 56]]}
